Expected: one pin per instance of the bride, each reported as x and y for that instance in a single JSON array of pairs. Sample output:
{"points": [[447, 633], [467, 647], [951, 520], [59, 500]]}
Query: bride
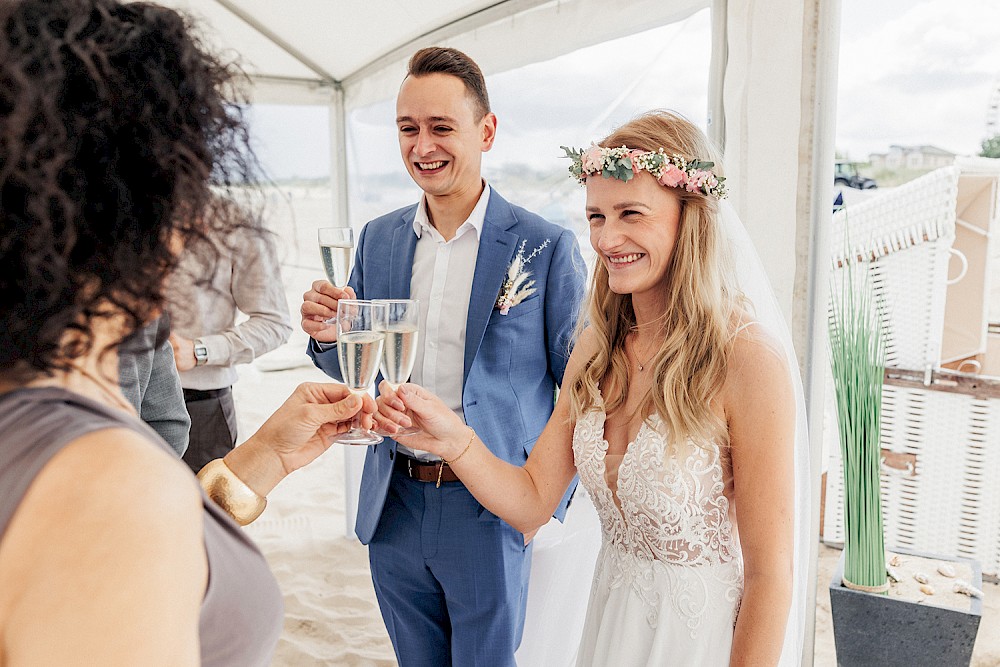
{"points": [[679, 412]]}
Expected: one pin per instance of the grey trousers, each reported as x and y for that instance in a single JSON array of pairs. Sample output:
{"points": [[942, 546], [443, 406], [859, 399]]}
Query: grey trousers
{"points": [[213, 425]]}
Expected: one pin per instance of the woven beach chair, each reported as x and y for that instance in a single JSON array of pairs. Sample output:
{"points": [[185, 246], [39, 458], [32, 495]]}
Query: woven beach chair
{"points": [[904, 236], [940, 428]]}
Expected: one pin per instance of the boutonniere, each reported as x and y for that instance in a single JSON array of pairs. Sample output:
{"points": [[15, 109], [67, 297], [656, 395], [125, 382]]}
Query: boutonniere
{"points": [[516, 286]]}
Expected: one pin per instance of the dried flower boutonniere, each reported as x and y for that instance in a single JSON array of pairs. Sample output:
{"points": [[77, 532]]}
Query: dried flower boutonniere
{"points": [[516, 286]]}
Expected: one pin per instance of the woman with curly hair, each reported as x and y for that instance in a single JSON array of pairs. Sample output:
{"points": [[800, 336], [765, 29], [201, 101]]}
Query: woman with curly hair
{"points": [[118, 147], [681, 412]]}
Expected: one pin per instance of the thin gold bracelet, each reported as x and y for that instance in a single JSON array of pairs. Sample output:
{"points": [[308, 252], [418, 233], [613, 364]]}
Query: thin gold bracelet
{"points": [[443, 462], [230, 492]]}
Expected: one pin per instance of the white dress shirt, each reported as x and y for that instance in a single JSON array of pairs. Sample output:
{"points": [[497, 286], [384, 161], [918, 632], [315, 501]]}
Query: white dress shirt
{"points": [[442, 282]]}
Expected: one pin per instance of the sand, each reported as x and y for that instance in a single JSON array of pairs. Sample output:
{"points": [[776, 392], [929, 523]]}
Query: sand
{"points": [[331, 615]]}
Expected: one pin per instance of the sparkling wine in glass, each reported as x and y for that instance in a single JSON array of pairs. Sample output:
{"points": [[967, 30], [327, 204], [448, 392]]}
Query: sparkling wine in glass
{"points": [[401, 338], [336, 245], [360, 337]]}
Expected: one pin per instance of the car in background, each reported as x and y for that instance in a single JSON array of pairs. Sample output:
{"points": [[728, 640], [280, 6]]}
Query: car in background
{"points": [[846, 174]]}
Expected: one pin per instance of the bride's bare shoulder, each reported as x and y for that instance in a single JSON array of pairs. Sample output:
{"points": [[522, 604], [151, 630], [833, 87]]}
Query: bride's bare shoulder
{"points": [[757, 361]]}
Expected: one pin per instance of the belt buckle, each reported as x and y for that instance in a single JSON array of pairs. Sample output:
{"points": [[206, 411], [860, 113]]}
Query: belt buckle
{"points": [[409, 467]]}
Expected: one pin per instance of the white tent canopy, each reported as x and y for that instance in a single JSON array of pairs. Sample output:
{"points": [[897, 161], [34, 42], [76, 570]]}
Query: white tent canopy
{"points": [[316, 46], [771, 99]]}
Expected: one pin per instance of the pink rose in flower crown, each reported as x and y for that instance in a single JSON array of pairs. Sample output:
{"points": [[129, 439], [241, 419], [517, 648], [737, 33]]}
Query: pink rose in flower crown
{"points": [[633, 157], [592, 160], [671, 176], [697, 180]]}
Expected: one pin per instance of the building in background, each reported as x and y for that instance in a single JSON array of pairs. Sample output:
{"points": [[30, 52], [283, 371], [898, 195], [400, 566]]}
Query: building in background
{"points": [[912, 157]]}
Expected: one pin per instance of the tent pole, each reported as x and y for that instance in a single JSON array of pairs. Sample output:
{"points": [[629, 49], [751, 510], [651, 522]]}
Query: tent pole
{"points": [[338, 158], [821, 32], [341, 218], [717, 74]]}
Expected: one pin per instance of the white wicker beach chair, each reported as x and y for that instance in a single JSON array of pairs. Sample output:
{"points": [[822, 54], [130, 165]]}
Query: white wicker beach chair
{"points": [[940, 429], [905, 236]]}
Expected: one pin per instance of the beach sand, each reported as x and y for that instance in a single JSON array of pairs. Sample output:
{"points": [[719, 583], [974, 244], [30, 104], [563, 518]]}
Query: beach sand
{"points": [[331, 615]]}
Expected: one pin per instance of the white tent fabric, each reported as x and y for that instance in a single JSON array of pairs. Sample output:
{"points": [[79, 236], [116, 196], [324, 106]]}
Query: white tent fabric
{"points": [[770, 100], [320, 46]]}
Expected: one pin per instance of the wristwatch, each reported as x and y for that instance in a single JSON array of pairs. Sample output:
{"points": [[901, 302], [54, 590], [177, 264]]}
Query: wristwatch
{"points": [[200, 353]]}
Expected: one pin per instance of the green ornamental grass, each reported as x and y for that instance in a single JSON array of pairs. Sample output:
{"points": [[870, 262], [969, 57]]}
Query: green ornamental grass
{"points": [[857, 356]]}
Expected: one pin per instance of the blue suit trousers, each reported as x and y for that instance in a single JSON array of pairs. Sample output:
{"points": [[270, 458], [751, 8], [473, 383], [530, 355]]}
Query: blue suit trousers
{"points": [[451, 578]]}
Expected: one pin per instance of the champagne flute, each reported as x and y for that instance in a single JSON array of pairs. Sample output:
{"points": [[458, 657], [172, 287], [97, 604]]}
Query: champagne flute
{"points": [[336, 245], [400, 349], [360, 337]]}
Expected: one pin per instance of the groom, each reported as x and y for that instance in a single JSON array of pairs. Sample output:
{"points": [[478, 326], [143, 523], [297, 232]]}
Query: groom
{"points": [[451, 578]]}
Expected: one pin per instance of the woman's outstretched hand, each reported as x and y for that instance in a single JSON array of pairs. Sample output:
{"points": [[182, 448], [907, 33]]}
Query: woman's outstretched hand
{"points": [[442, 432], [305, 425]]}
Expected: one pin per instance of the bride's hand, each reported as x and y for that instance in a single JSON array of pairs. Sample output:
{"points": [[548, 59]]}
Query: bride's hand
{"points": [[442, 432]]}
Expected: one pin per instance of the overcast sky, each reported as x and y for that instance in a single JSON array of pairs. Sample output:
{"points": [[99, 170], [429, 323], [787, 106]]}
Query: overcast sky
{"points": [[916, 72], [910, 72]]}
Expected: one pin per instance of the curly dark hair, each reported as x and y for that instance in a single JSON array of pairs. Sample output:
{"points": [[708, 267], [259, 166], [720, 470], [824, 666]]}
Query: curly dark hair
{"points": [[120, 137]]}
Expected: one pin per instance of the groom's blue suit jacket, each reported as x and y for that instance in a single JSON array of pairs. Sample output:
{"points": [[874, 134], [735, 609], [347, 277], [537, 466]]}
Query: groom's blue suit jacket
{"points": [[513, 363]]}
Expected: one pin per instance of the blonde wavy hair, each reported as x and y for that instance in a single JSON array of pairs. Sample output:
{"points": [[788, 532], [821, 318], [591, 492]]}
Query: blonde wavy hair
{"points": [[689, 368]]}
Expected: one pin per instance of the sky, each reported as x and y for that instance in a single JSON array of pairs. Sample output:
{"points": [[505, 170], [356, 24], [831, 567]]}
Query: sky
{"points": [[911, 72], [916, 72]]}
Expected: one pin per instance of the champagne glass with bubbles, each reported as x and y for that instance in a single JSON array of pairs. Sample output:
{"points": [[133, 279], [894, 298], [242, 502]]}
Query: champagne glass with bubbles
{"points": [[360, 336], [400, 349], [336, 245]]}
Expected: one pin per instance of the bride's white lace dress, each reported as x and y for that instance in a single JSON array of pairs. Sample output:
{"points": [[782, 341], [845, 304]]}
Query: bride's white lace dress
{"points": [[669, 577]]}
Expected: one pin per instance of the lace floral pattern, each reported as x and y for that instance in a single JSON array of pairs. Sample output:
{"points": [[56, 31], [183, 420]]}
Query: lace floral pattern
{"points": [[667, 521]]}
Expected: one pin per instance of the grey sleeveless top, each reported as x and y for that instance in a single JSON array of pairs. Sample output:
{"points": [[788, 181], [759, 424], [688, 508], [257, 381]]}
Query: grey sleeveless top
{"points": [[242, 611]]}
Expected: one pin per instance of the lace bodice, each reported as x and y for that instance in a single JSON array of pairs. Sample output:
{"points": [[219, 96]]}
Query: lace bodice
{"points": [[667, 509]]}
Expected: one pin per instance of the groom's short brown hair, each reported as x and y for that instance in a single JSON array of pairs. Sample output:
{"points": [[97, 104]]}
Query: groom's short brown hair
{"points": [[443, 60]]}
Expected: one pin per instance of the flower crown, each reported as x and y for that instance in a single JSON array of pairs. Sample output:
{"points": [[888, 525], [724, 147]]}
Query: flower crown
{"points": [[622, 163]]}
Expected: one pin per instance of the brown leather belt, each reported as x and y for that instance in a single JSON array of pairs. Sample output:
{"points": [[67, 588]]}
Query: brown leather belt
{"points": [[424, 471]]}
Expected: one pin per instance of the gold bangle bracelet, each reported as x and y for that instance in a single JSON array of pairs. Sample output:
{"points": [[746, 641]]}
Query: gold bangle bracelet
{"points": [[230, 492]]}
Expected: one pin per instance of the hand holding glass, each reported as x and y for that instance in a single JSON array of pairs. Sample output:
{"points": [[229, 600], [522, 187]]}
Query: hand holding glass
{"points": [[401, 338], [361, 329], [336, 245]]}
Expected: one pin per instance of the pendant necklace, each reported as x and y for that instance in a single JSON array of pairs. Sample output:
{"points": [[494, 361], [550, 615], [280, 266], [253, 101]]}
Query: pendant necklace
{"points": [[642, 364]]}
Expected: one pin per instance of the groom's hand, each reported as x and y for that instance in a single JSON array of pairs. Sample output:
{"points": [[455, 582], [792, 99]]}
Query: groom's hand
{"points": [[319, 305]]}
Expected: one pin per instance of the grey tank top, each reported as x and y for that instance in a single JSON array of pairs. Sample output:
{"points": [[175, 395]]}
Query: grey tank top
{"points": [[242, 611]]}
